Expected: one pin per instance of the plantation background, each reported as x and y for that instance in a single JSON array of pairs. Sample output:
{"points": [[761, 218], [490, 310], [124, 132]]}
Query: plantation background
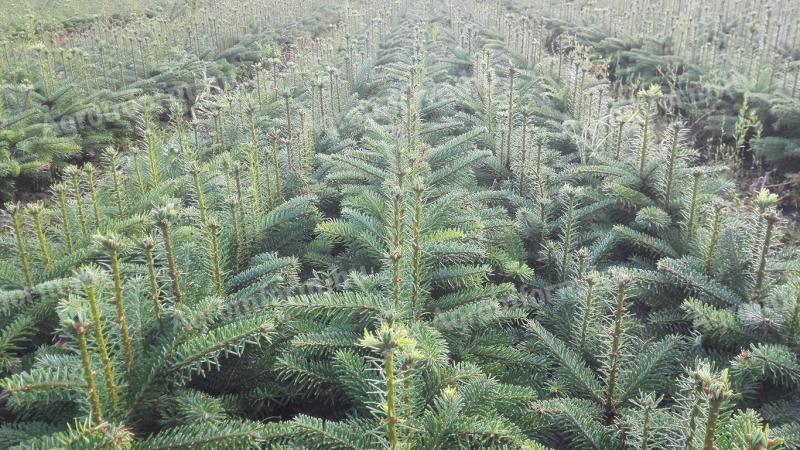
{"points": [[399, 224]]}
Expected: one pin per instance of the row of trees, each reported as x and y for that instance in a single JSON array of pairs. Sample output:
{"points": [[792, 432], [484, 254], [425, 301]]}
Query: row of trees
{"points": [[352, 260]]}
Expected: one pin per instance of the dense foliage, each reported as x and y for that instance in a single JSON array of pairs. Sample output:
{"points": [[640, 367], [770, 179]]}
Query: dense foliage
{"points": [[80, 91], [731, 69], [407, 224]]}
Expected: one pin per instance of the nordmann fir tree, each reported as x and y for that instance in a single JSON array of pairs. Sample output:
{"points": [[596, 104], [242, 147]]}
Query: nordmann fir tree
{"points": [[476, 257]]}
